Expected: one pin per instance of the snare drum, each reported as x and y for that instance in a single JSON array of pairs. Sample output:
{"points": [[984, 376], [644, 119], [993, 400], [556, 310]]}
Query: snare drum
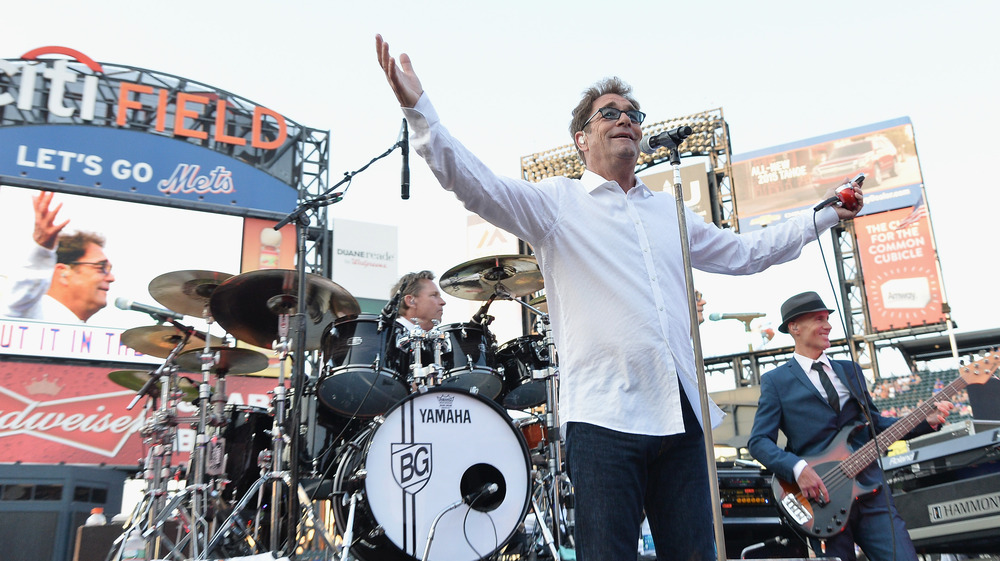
{"points": [[362, 376], [433, 449], [469, 362], [523, 359]]}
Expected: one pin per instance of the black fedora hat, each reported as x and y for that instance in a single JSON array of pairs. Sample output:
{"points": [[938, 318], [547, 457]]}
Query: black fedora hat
{"points": [[798, 305]]}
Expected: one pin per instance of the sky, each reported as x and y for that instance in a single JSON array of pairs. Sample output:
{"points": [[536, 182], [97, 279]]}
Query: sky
{"points": [[504, 77]]}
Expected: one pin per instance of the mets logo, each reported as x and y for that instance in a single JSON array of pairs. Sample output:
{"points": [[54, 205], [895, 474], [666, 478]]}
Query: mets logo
{"points": [[411, 465]]}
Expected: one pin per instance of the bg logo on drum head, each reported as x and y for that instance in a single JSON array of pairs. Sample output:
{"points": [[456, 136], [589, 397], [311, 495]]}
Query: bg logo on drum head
{"points": [[411, 465]]}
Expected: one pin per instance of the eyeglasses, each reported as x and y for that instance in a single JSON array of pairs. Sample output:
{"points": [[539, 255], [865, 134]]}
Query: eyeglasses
{"points": [[104, 266], [612, 113]]}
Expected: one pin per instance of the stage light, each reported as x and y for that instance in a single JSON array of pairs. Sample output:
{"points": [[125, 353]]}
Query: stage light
{"points": [[708, 139]]}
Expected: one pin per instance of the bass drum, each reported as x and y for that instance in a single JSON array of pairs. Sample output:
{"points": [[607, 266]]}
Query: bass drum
{"points": [[435, 449], [362, 376]]}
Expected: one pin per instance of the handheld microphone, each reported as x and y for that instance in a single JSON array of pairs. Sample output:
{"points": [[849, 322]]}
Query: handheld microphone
{"points": [[404, 182], [741, 317], [844, 196], [161, 314], [670, 139]]}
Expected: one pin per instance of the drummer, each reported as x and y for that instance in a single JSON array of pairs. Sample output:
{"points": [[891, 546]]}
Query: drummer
{"points": [[420, 302]]}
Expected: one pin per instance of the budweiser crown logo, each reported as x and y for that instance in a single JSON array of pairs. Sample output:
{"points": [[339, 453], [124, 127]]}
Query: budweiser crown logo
{"points": [[43, 386]]}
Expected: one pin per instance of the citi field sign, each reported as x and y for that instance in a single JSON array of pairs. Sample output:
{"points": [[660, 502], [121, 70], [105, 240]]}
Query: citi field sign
{"points": [[69, 123]]}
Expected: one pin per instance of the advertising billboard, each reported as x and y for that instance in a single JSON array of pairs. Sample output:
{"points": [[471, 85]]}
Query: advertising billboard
{"points": [[774, 184], [899, 264], [72, 124]]}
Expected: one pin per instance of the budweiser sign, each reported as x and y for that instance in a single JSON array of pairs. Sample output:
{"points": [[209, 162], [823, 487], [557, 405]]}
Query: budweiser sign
{"points": [[53, 413], [65, 413]]}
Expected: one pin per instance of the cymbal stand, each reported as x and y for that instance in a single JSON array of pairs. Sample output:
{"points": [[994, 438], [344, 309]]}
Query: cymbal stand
{"points": [[276, 474], [554, 437], [196, 519], [161, 431]]}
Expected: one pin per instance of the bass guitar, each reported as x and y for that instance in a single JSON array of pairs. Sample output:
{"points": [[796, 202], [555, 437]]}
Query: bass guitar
{"points": [[839, 467]]}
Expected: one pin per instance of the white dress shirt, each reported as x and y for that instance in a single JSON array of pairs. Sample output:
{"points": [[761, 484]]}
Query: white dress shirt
{"points": [[26, 296], [614, 277]]}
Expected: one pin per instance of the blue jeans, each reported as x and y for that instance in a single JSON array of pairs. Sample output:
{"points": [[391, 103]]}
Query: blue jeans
{"points": [[617, 475], [868, 526]]}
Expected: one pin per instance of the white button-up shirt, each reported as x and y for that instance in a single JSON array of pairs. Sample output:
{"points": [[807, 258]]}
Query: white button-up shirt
{"points": [[614, 277]]}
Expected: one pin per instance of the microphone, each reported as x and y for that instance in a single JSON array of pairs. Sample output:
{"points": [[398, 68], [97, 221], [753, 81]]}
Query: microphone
{"points": [[741, 317], [391, 308], [670, 139], [404, 182], [160, 314], [844, 196], [484, 491]]}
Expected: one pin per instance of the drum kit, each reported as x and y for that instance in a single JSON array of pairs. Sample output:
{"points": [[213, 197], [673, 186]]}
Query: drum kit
{"points": [[407, 432]]}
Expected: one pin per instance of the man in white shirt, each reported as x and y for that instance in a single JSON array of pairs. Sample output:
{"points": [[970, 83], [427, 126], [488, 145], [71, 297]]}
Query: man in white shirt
{"points": [[609, 250], [65, 278], [420, 301]]}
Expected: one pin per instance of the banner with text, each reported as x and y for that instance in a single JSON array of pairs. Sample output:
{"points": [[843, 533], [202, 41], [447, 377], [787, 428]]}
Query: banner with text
{"points": [[775, 184], [62, 413], [900, 268]]}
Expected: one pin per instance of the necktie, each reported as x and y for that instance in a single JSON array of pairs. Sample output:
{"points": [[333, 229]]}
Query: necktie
{"points": [[831, 393]]}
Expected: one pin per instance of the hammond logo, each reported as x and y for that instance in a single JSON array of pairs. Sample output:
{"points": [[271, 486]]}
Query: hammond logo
{"points": [[411, 465]]}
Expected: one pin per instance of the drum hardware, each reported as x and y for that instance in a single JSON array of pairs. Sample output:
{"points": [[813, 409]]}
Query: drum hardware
{"points": [[160, 432], [413, 342], [272, 461]]}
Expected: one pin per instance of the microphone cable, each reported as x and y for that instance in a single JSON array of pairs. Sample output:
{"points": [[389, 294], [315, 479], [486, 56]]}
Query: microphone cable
{"points": [[859, 380]]}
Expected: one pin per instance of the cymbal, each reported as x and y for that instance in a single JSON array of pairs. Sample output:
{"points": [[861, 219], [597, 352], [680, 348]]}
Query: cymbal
{"points": [[159, 340], [186, 292], [248, 305], [136, 379], [478, 279], [230, 360]]}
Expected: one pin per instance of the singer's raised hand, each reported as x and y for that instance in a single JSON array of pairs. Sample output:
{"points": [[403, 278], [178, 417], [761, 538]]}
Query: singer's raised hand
{"points": [[403, 80], [46, 229]]}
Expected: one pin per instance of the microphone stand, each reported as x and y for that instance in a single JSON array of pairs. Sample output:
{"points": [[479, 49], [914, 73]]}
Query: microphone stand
{"points": [[699, 361], [298, 325]]}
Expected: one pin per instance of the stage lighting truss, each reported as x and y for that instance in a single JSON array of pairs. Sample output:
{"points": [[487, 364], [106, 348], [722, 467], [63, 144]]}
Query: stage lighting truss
{"points": [[710, 138]]}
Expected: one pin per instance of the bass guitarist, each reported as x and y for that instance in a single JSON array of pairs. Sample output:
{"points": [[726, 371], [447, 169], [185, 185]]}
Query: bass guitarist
{"points": [[814, 401]]}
